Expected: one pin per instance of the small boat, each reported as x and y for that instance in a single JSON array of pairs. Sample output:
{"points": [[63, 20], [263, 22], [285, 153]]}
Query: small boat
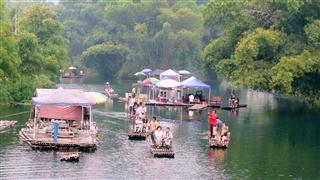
{"points": [[219, 143], [234, 107], [72, 156], [160, 152], [109, 91], [137, 135]]}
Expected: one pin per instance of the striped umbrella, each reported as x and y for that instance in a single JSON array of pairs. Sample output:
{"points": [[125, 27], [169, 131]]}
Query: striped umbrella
{"points": [[94, 97]]}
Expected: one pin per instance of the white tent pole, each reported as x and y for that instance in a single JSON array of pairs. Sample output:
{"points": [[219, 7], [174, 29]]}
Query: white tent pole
{"points": [[90, 119], [34, 121]]}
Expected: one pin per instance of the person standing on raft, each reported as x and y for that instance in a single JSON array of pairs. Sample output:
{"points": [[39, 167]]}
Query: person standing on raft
{"points": [[212, 121]]}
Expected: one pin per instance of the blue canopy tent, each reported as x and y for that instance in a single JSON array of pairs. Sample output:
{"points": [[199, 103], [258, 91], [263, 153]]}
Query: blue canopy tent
{"points": [[193, 82]]}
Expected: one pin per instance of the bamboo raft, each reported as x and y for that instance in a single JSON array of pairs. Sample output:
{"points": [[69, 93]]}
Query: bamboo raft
{"points": [[197, 107], [137, 135], [236, 107], [72, 156], [45, 142], [213, 143], [6, 124], [166, 104], [162, 152]]}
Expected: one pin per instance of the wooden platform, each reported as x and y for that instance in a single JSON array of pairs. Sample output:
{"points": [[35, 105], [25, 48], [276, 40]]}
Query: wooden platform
{"points": [[166, 104], [137, 135], [162, 152], [85, 141], [197, 107], [230, 108], [72, 156], [6, 124]]}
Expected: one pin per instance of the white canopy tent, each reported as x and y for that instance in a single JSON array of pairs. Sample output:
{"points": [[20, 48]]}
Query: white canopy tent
{"points": [[170, 74], [169, 89]]}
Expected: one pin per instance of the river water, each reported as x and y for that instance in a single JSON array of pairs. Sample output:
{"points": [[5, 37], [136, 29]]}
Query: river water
{"points": [[274, 138]]}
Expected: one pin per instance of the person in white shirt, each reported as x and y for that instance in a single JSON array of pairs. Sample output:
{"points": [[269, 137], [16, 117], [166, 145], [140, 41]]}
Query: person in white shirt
{"points": [[138, 125], [158, 134], [167, 136], [191, 98]]}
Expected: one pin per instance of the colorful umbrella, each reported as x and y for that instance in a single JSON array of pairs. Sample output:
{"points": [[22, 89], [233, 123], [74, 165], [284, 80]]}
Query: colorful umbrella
{"points": [[94, 97], [150, 81], [139, 74], [147, 70]]}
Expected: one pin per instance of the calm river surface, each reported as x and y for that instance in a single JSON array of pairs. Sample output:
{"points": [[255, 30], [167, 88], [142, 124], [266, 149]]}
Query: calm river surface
{"points": [[273, 138]]}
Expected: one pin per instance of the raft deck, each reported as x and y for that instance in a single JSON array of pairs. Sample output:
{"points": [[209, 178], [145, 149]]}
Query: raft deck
{"points": [[236, 107], [85, 141], [162, 152], [6, 124], [198, 107], [214, 143]]}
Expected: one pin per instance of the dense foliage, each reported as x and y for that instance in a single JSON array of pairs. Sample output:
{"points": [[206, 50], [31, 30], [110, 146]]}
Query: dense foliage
{"points": [[120, 37], [32, 50], [266, 45]]}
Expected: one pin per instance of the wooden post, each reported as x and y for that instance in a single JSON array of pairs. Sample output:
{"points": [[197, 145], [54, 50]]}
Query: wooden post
{"points": [[34, 121], [90, 119]]}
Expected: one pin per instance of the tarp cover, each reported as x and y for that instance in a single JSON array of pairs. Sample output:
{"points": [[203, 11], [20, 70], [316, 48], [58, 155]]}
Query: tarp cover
{"points": [[170, 74], [46, 92], [60, 97], [193, 82], [168, 83], [61, 112]]}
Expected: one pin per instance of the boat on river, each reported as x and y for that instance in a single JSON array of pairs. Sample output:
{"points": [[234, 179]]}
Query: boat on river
{"points": [[220, 139], [160, 152], [60, 121], [228, 108], [139, 130]]}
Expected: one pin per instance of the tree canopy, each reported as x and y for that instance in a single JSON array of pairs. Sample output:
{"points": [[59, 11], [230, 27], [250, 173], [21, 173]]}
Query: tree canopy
{"points": [[269, 45]]}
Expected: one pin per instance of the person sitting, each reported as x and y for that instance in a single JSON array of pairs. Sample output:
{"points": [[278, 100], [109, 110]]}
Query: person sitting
{"points": [[167, 137], [138, 125], [158, 135], [145, 124]]}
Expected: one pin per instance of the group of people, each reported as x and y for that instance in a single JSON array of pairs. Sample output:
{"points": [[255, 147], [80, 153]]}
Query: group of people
{"points": [[139, 113], [193, 98], [233, 100], [218, 130], [160, 137]]}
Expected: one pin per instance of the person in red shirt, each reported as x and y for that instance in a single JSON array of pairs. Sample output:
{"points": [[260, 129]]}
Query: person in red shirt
{"points": [[212, 121]]}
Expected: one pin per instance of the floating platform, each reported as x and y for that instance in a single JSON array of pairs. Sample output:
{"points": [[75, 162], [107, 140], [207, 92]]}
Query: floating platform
{"points": [[69, 156], [162, 152], [85, 141], [166, 104], [231, 108], [137, 135], [197, 107], [213, 143], [6, 124]]}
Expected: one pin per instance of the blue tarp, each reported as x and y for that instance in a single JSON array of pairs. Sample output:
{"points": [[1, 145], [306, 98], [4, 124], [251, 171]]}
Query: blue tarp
{"points": [[193, 82]]}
